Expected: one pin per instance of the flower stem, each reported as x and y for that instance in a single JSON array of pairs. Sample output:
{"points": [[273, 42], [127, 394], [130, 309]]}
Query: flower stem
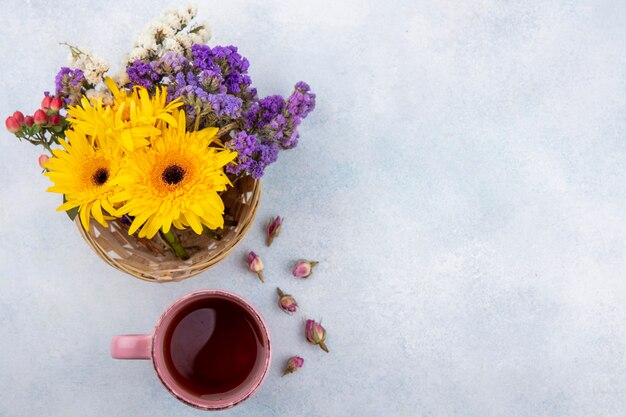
{"points": [[172, 240], [323, 346], [211, 233], [47, 146], [196, 125]]}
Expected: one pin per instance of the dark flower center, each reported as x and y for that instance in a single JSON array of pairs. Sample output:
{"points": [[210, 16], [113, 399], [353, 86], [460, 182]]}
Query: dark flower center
{"points": [[100, 176], [173, 174]]}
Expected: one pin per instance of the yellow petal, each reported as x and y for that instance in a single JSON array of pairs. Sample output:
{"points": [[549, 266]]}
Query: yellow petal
{"points": [[193, 222], [168, 118], [112, 86], [84, 216], [96, 211], [68, 206], [127, 140]]}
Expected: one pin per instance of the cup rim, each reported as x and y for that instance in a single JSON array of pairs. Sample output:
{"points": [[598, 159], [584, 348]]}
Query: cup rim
{"points": [[159, 364]]}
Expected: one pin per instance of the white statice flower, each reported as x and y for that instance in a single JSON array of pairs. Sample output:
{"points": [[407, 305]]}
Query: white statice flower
{"points": [[158, 32], [185, 16], [164, 35], [96, 94], [184, 40], [137, 53], [93, 67], [148, 43], [121, 77], [195, 38], [204, 33], [192, 10], [171, 45], [166, 30], [172, 21]]}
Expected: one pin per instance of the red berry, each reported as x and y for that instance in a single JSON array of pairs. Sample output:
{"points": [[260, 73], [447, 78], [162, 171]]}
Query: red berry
{"points": [[45, 103], [40, 117], [29, 121], [19, 117], [12, 125], [56, 104], [55, 119]]}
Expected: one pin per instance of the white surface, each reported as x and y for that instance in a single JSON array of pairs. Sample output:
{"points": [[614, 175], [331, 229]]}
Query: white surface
{"points": [[461, 183]]}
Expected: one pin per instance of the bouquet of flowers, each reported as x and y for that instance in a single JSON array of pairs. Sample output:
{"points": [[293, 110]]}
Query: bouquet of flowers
{"points": [[155, 146]]}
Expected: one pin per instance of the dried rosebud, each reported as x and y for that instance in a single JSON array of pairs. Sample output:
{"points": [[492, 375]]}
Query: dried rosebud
{"points": [[273, 229], [40, 117], [316, 334], [12, 125], [286, 302], [293, 364], [303, 268], [29, 121], [56, 104], [255, 264], [43, 158]]}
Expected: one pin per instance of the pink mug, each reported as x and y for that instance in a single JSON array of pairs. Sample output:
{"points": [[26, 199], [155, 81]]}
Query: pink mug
{"points": [[185, 349]]}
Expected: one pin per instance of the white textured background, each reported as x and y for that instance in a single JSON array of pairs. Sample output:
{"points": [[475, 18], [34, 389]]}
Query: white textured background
{"points": [[462, 183]]}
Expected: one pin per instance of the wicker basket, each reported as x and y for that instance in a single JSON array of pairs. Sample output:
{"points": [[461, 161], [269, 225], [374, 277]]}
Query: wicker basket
{"points": [[152, 260]]}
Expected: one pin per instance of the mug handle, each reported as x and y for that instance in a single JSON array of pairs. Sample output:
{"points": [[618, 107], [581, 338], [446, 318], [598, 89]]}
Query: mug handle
{"points": [[132, 346]]}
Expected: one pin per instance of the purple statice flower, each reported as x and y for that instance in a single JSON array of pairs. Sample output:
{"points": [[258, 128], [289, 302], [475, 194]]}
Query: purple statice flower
{"points": [[243, 143], [69, 83], [210, 73], [290, 141], [268, 153], [183, 79], [253, 156], [302, 101], [191, 91], [279, 122], [172, 62], [225, 105], [143, 73], [238, 167], [289, 134], [265, 154], [235, 61], [188, 78], [202, 57], [282, 129], [277, 127], [185, 84], [212, 81], [263, 111], [228, 61], [69, 76], [251, 115], [234, 67]]}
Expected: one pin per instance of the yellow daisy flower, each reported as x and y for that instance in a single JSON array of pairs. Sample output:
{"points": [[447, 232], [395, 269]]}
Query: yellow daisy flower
{"points": [[85, 175], [175, 181], [131, 120]]}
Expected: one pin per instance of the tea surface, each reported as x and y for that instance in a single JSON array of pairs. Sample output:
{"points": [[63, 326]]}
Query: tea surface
{"points": [[211, 347]]}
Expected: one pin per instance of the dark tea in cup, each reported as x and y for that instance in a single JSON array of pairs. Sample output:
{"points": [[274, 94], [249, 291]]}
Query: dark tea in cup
{"points": [[211, 347]]}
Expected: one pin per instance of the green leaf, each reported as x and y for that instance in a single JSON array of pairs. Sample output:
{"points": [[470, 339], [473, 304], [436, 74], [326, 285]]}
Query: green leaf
{"points": [[72, 213], [196, 29]]}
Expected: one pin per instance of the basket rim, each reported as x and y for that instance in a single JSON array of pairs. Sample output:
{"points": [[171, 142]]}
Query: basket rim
{"points": [[169, 275]]}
